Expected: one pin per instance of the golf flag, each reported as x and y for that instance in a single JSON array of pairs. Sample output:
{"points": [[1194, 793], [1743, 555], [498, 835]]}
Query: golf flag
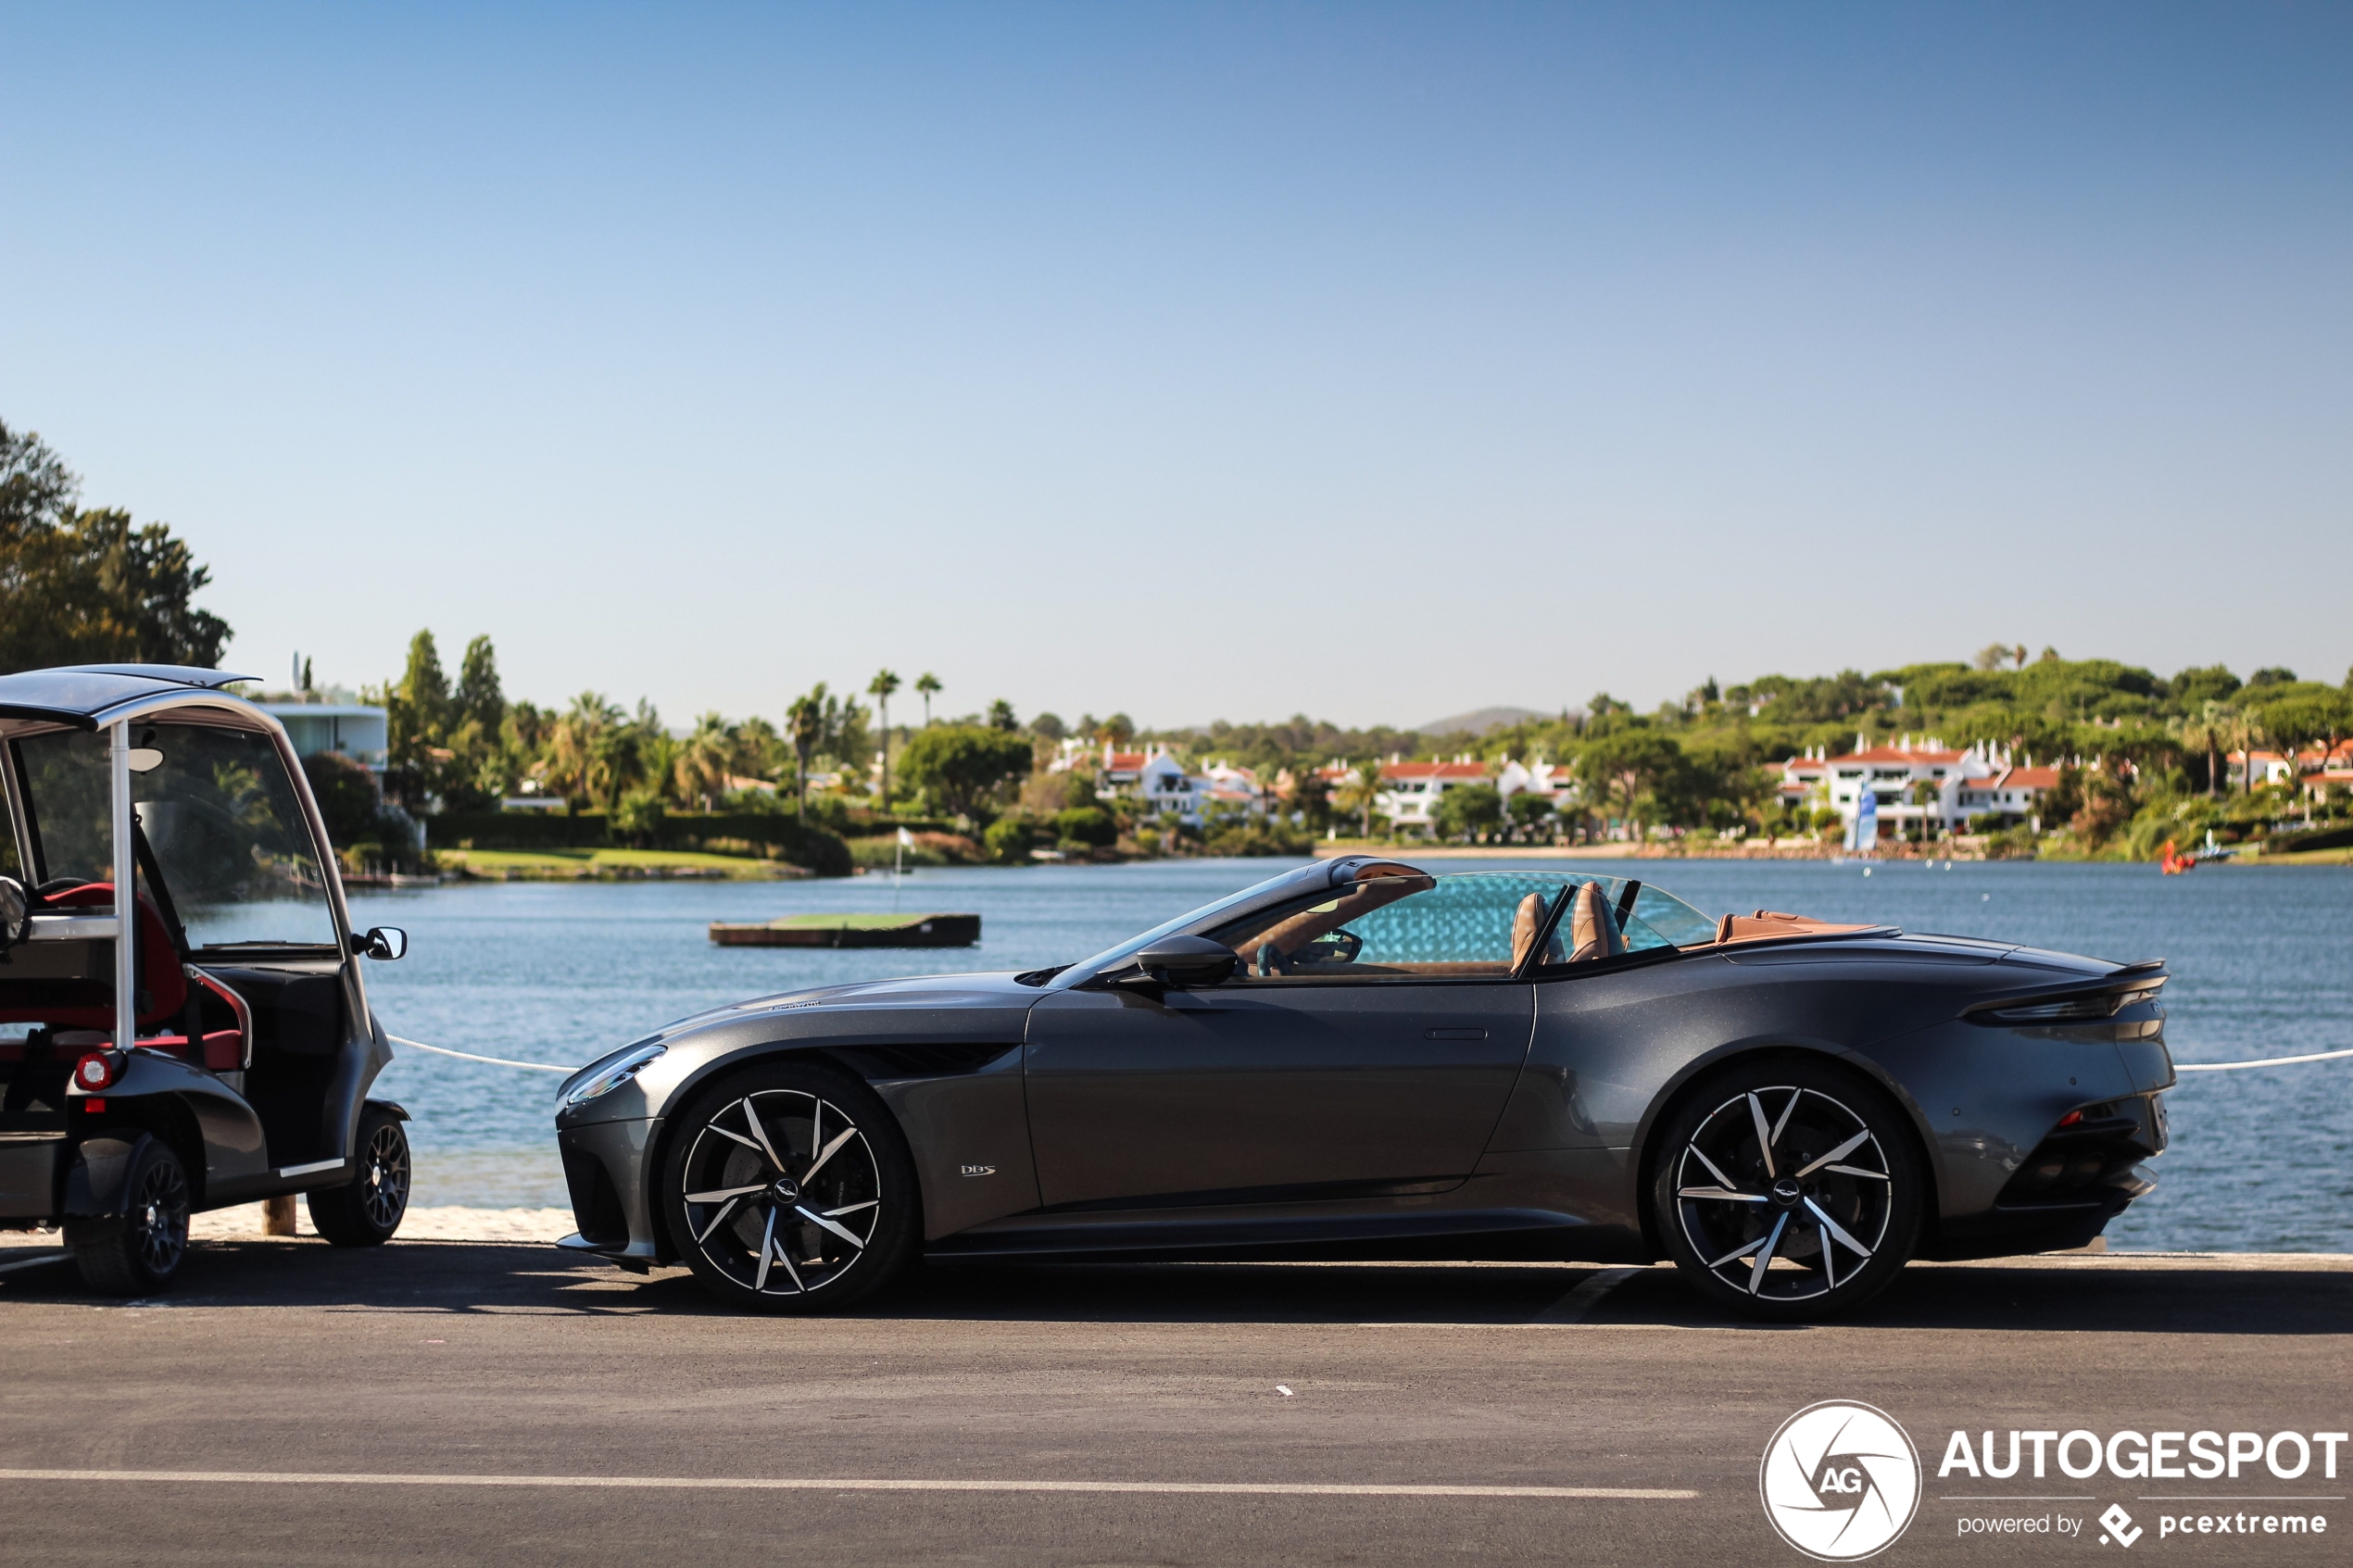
{"points": [[906, 839]]}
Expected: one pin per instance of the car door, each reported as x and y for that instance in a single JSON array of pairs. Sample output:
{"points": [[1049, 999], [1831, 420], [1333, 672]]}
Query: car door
{"points": [[1372, 1058]]}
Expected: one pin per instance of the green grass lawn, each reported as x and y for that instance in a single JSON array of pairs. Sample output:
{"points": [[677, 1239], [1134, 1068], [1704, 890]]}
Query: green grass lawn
{"points": [[559, 863]]}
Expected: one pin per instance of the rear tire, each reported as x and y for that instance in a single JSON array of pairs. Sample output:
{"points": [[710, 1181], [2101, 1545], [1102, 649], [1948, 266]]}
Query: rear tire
{"points": [[1788, 1162], [138, 1254], [369, 1209], [788, 1188]]}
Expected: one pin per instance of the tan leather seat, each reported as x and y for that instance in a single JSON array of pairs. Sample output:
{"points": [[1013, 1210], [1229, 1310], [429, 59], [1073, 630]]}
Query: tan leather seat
{"points": [[1593, 929], [1527, 920]]}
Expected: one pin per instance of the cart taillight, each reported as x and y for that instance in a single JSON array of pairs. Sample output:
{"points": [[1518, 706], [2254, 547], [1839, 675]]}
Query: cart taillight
{"points": [[98, 1071]]}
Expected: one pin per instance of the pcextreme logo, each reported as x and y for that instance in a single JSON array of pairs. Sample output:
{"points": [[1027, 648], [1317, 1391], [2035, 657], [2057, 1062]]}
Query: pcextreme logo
{"points": [[1839, 1481]]}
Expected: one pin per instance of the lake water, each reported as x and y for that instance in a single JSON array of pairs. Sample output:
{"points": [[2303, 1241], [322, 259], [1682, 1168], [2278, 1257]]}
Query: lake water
{"points": [[2262, 960]]}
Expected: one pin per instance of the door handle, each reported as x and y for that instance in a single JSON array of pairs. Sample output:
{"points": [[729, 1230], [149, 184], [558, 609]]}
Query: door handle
{"points": [[1453, 1034]]}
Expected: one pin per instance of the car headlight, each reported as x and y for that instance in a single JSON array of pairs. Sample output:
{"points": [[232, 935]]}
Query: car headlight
{"points": [[614, 1073]]}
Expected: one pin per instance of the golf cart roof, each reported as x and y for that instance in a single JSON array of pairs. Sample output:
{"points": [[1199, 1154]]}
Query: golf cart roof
{"points": [[86, 696]]}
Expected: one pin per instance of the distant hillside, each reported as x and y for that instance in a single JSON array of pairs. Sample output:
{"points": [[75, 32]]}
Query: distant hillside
{"points": [[1480, 722]]}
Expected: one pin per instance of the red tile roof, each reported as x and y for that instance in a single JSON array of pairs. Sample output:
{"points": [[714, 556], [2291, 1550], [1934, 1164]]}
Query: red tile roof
{"points": [[2023, 778], [1433, 770], [1889, 755]]}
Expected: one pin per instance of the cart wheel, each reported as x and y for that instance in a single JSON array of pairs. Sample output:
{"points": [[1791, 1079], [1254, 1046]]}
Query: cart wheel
{"points": [[140, 1255], [368, 1211]]}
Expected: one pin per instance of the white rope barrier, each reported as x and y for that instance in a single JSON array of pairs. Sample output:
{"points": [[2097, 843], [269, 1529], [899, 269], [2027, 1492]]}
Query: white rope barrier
{"points": [[469, 1055], [2266, 1061]]}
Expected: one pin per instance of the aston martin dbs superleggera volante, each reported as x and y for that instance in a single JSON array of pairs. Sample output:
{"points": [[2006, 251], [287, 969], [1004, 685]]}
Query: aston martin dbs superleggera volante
{"points": [[1360, 1058]]}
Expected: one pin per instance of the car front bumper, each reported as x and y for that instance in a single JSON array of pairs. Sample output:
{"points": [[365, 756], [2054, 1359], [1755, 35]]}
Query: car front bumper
{"points": [[605, 1169]]}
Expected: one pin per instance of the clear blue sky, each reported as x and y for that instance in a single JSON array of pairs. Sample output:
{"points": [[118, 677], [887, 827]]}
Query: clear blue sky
{"points": [[1376, 362]]}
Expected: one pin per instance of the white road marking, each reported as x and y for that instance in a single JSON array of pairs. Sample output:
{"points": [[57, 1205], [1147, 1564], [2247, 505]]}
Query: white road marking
{"points": [[839, 1484], [1573, 1306]]}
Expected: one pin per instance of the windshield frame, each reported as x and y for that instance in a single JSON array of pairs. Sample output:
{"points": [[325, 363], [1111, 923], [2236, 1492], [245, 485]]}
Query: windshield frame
{"points": [[1275, 889], [207, 709]]}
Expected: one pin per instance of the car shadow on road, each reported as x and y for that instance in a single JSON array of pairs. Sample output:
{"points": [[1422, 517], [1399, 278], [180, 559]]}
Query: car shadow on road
{"points": [[2059, 1296]]}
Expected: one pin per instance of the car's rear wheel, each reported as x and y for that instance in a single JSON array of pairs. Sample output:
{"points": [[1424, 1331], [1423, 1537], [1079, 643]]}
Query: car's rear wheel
{"points": [[1788, 1190], [788, 1188], [139, 1253]]}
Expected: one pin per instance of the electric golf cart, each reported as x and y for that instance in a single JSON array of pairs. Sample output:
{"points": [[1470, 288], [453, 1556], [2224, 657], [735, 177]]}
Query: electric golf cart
{"points": [[209, 1046]]}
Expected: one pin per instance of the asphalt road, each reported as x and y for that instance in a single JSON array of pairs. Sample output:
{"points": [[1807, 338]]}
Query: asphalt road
{"points": [[445, 1360]]}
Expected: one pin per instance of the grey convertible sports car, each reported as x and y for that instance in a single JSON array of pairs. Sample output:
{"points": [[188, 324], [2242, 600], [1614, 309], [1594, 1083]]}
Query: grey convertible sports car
{"points": [[1360, 1058]]}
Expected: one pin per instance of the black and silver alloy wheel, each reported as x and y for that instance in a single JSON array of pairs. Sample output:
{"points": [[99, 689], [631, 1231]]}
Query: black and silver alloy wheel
{"points": [[140, 1251], [367, 1209], [785, 1194], [1786, 1198]]}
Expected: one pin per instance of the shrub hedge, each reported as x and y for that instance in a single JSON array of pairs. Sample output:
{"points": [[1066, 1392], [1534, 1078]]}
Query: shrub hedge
{"points": [[770, 835]]}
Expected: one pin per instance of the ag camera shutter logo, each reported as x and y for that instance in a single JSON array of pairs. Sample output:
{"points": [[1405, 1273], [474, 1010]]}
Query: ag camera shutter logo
{"points": [[1839, 1481]]}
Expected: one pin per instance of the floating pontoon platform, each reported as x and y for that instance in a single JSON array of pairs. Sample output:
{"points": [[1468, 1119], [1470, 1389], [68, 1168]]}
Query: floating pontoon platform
{"points": [[851, 931]]}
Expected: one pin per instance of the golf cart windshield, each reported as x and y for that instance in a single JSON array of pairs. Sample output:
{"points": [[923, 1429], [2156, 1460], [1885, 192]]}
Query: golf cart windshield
{"points": [[224, 831]]}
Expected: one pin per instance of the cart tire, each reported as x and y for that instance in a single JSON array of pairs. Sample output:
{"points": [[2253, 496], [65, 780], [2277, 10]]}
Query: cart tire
{"points": [[367, 1209], [138, 1254]]}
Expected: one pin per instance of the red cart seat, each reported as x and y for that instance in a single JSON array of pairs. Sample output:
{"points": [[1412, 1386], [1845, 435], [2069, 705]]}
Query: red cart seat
{"points": [[162, 993]]}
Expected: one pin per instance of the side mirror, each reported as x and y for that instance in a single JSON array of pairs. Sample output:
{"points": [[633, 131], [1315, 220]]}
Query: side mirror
{"points": [[1183, 962], [385, 942]]}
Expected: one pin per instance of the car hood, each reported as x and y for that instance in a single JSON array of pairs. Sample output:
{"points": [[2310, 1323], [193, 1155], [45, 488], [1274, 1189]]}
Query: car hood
{"points": [[983, 990]]}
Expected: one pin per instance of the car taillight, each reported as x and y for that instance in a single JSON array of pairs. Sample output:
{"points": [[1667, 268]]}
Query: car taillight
{"points": [[96, 1073], [2072, 1118]]}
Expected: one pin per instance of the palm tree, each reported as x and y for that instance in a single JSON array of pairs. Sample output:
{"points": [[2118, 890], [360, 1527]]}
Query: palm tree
{"points": [[927, 683], [704, 760], [806, 719], [574, 743], [880, 688], [1924, 795], [2203, 731], [1357, 792]]}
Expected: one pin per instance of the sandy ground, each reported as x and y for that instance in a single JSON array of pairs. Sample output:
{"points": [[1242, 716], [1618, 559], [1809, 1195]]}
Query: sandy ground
{"points": [[450, 1223]]}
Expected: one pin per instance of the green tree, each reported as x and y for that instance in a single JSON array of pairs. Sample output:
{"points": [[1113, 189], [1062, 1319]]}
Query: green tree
{"points": [[1625, 767], [91, 586], [962, 767], [928, 684], [1001, 716], [1468, 810], [1529, 811]]}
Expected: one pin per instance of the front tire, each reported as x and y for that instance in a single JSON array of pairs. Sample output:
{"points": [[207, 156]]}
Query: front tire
{"points": [[1788, 1190], [366, 1211], [788, 1188], [138, 1254]]}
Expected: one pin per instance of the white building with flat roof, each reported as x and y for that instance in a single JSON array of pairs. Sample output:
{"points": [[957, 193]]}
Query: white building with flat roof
{"points": [[355, 729]]}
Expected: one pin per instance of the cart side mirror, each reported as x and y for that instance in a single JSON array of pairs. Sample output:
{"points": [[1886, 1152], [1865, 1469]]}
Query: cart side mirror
{"points": [[385, 942], [146, 759], [1183, 962]]}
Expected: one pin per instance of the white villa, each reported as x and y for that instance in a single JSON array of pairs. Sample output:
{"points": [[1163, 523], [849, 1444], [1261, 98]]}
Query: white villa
{"points": [[1160, 784], [315, 724], [1976, 787]]}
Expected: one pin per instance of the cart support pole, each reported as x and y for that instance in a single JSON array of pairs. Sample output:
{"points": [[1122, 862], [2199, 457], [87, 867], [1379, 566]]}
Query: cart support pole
{"points": [[126, 887]]}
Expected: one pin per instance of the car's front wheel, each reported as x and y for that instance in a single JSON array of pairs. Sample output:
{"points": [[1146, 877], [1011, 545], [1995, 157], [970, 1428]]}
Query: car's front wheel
{"points": [[788, 1188], [1788, 1189]]}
